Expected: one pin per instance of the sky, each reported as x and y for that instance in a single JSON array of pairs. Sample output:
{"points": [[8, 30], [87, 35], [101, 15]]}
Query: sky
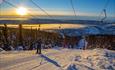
{"points": [[60, 7]]}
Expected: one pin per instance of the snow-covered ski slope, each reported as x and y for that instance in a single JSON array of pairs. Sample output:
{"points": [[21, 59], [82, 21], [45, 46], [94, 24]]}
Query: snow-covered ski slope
{"points": [[58, 59]]}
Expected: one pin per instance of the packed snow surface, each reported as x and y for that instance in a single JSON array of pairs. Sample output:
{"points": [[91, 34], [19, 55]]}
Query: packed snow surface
{"points": [[58, 59]]}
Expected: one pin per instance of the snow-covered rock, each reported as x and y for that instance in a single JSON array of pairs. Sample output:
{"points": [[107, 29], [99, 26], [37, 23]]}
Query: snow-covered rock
{"points": [[1, 50]]}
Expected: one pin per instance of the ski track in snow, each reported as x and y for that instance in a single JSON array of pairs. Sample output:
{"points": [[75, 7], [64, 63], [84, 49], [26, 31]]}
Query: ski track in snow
{"points": [[61, 59], [7, 65]]}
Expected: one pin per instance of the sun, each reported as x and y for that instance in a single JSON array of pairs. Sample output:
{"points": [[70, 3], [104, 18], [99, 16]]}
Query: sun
{"points": [[21, 11]]}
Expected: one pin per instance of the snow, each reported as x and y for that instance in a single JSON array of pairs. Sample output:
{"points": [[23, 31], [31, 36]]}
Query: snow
{"points": [[108, 29], [58, 59]]}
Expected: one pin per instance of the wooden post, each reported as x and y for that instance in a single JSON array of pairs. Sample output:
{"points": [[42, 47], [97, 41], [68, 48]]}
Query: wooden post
{"points": [[20, 35], [5, 31], [39, 30], [36, 34], [5, 41]]}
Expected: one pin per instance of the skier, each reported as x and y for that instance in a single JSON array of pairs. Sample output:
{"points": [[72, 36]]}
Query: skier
{"points": [[38, 47], [82, 44]]}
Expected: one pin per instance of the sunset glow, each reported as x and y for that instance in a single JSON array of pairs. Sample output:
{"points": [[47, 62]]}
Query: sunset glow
{"points": [[21, 11]]}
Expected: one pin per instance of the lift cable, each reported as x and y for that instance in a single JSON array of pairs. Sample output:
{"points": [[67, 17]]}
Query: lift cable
{"points": [[43, 10], [71, 1], [40, 8]]}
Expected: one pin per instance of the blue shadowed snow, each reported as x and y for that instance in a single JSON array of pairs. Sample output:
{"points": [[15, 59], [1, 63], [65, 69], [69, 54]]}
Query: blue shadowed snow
{"points": [[72, 67], [50, 60]]}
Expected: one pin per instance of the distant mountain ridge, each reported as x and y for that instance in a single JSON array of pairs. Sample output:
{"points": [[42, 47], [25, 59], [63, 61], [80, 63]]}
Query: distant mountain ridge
{"points": [[90, 30], [55, 21]]}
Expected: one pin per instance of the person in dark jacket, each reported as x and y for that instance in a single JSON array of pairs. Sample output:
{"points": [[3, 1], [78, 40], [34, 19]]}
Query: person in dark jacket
{"points": [[38, 47]]}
